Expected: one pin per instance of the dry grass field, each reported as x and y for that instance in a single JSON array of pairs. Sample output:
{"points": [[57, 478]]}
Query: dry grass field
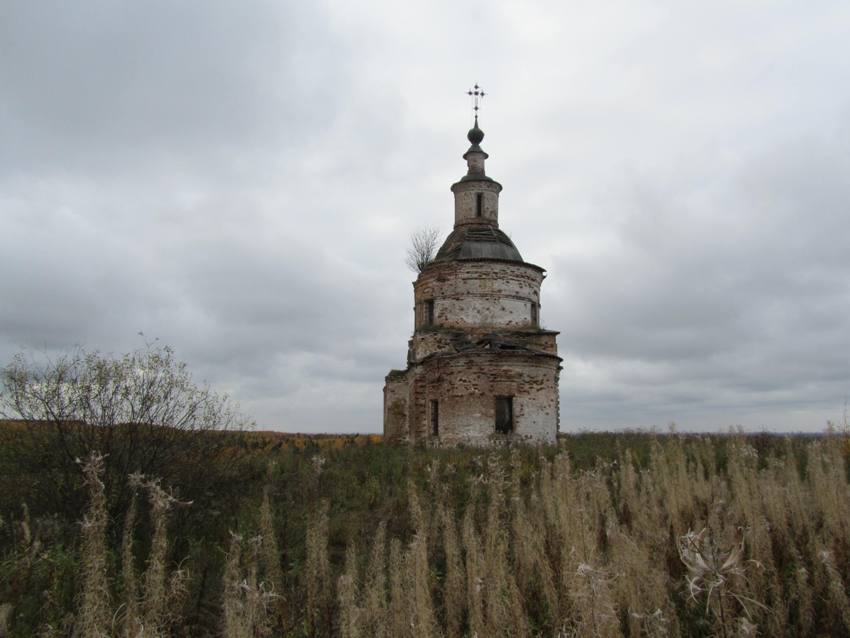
{"points": [[604, 535]]}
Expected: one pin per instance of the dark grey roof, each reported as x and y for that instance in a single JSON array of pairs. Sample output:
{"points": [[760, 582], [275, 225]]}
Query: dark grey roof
{"points": [[478, 242]]}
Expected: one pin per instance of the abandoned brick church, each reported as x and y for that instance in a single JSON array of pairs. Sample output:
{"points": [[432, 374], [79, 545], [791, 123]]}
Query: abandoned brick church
{"points": [[480, 369]]}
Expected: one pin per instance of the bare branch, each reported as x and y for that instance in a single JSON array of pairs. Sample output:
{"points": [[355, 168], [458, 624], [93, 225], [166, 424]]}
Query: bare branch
{"points": [[422, 249]]}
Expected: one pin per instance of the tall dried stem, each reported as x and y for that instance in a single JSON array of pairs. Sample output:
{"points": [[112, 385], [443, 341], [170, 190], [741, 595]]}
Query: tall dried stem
{"points": [[95, 614], [246, 600], [318, 572], [399, 624], [159, 598], [132, 623], [474, 575], [375, 595], [424, 620], [454, 592], [347, 593], [273, 574]]}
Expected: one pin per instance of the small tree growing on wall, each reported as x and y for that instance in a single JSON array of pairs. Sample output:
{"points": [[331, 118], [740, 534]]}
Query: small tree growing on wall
{"points": [[422, 249]]}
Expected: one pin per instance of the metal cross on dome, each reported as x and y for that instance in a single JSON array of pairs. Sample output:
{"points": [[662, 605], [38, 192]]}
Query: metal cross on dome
{"points": [[477, 94]]}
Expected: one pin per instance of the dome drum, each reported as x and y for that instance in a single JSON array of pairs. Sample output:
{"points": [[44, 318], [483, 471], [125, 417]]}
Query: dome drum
{"points": [[477, 202], [479, 294]]}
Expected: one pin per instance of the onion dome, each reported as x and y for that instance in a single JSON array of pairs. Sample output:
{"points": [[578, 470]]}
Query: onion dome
{"points": [[475, 135]]}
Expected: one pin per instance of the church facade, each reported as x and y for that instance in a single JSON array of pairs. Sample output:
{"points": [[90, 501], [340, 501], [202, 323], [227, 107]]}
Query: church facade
{"points": [[480, 368]]}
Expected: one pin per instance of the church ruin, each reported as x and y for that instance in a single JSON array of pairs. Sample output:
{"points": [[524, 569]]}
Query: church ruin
{"points": [[480, 369]]}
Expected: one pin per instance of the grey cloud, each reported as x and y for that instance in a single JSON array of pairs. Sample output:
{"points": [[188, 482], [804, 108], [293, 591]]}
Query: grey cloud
{"points": [[164, 82], [239, 180], [730, 300]]}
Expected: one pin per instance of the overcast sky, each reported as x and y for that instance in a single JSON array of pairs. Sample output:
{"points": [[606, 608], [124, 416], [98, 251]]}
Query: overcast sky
{"points": [[239, 179]]}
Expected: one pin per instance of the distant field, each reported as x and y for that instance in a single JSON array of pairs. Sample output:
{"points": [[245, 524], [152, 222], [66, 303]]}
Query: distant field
{"points": [[301, 440], [629, 534]]}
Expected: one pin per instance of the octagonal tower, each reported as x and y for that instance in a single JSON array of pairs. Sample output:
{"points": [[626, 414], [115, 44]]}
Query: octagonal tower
{"points": [[480, 369]]}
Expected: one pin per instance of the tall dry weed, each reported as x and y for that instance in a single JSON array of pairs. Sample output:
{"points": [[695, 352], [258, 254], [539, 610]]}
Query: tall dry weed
{"points": [[640, 589], [399, 623], [317, 570], [273, 573], [163, 592], [94, 619], [347, 592], [132, 625], [423, 619], [454, 591], [247, 601], [155, 597], [375, 595], [717, 579], [834, 588], [503, 600], [593, 601], [604, 551], [474, 575]]}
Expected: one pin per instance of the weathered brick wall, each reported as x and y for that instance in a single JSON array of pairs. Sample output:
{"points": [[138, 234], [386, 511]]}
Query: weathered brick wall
{"points": [[396, 396], [477, 337], [543, 340], [479, 294], [466, 387], [465, 202], [429, 341]]}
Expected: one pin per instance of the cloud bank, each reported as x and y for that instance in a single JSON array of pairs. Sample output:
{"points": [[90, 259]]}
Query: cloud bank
{"points": [[240, 180]]}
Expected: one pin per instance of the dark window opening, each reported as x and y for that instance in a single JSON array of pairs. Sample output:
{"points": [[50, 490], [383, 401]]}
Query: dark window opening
{"points": [[435, 418], [534, 315], [429, 312], [479, 204], [504, 415]]}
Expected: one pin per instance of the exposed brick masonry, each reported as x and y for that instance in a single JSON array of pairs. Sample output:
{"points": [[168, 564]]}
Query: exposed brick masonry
{"points": [[478, 355]]}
